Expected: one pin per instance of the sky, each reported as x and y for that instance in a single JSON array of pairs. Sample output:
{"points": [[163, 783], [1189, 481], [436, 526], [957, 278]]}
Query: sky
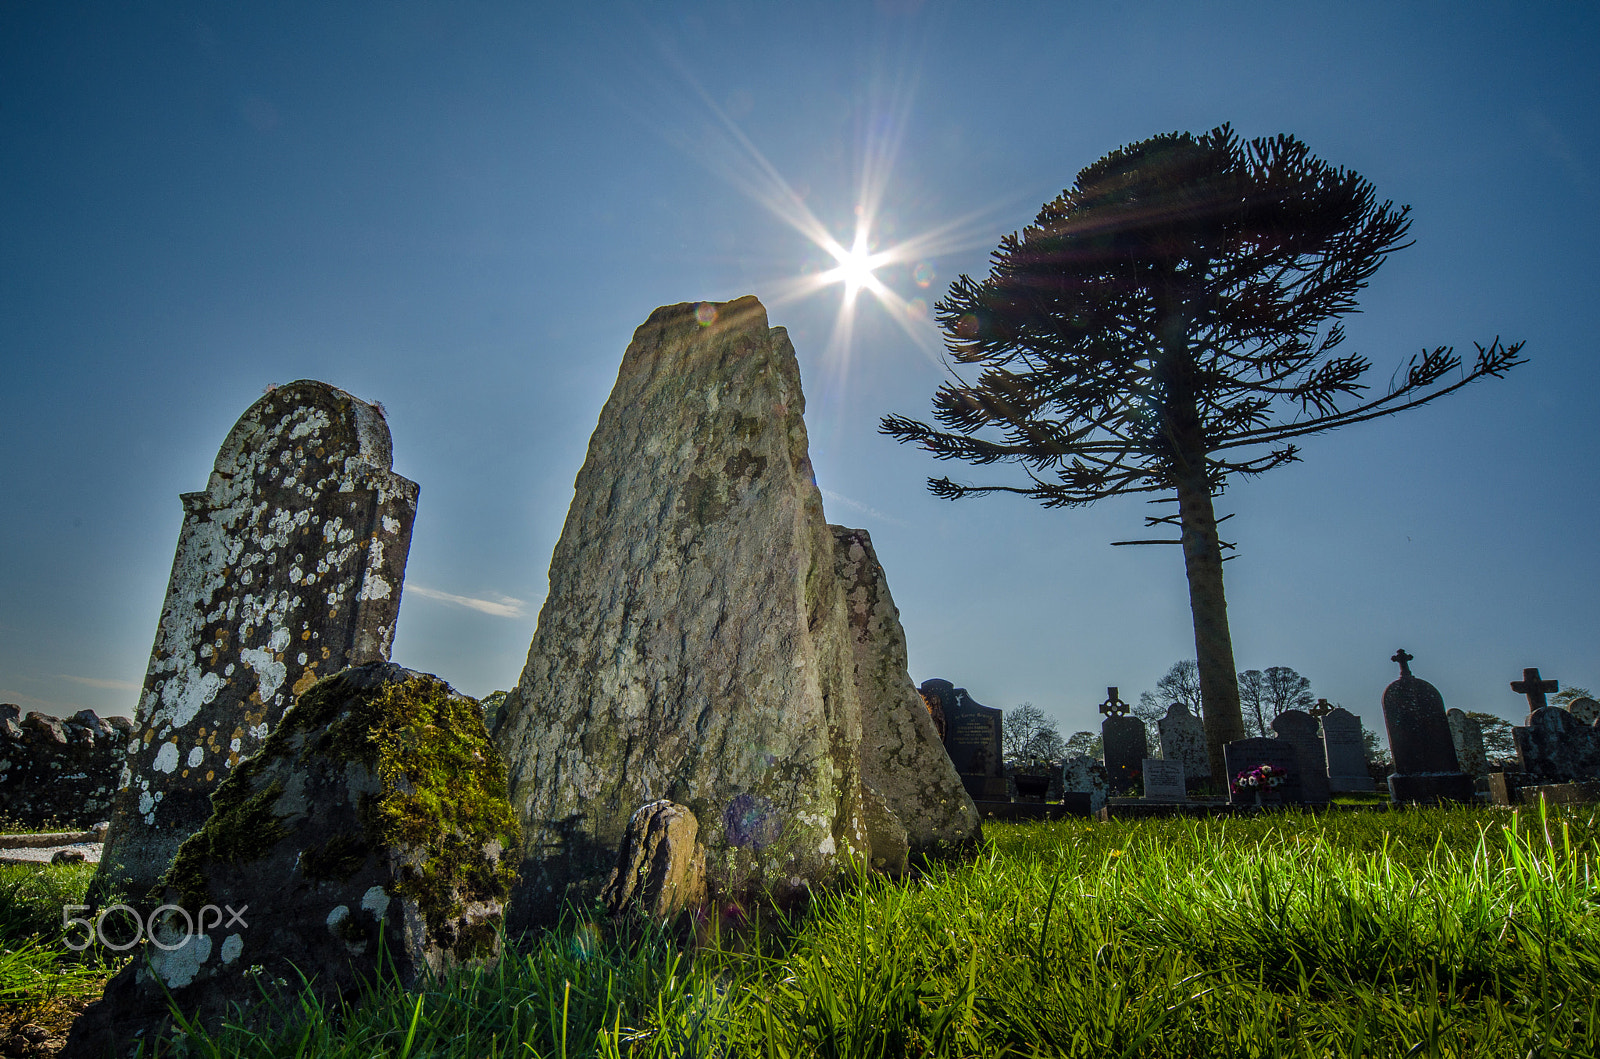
{"points": [[464, 210]]}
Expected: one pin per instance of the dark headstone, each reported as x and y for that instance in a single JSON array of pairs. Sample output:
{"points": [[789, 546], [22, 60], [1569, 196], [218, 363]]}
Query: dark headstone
{"points": [[1300, 728], [1425, 766], [1126, 745], [1183, 739], [288, 567], [1345, 752], [1083, 776], [1555, 748], [1242, 755], [377, 809], [971, 738]]}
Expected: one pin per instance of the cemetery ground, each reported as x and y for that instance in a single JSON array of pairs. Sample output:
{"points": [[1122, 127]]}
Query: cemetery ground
{"points": [[1428, 932]]}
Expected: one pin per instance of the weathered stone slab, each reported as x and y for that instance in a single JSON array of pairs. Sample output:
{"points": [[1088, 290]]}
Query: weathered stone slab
{"points": [[1467, 735], [1163, 780], [1084, 775], [1300, 728], [61, 769], [661, 867], [902, 756], [288, 567], [378, 804], [1242, 755], [1425, 765], [695, 642], [1345, 752], [971, 738], [1584, 710], [1555, 748], [1183, 739], [1126, 744]]}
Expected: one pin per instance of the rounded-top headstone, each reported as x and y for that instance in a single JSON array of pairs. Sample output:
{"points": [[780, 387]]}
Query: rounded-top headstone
{"points": [[1584, 709], [1419, 731]]}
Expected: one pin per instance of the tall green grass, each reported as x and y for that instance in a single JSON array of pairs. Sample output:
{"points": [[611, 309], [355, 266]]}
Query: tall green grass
{"points": [[1449, 932], [36, 966]]}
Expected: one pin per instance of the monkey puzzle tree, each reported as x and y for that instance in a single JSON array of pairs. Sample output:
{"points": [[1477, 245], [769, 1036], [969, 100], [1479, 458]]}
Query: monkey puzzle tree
{"points": [[1177, 304]]}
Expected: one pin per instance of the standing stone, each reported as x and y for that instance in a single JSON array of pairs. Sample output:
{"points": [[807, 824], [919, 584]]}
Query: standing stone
{"points": [[1425, 766], [1554, 748], [1163, 780], [1183, 739], [1584, 710], [1242, 755], [1300, 728], [661, 868], [1467, 735], [1345, 752], [902, 756], [971, 739], [288, 567], [1126, 744], [1084, 775], [695, 644], [376, 809]]}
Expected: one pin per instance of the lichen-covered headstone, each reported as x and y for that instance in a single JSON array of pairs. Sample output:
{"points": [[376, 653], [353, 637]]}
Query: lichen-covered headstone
{"points": [[1345, 751], [1425, 765], [971, 738], [1082, 774], [288, 567], [377, 805], [694, 644], [1467, 735], [1555, 748], [1584, 710], [1300, 728], [1244, 755], [1183, 739], [902, 756]]}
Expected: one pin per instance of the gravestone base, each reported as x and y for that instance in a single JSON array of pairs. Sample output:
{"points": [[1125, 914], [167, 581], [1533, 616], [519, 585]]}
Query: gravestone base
{"points": [[1431, 787], [1579, 793], [1351, 785], [986, 788]]}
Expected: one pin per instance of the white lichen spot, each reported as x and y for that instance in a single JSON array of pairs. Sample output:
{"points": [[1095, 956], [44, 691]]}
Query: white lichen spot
{"points": [[827, 847], [235, 745], [196, 756], [184, 694], [374, 587], [339, 914], [232, 946], [146, 804], [391, 525], [300, 659], [166, 758], [376, 901], [178, 966], [269, 672]]}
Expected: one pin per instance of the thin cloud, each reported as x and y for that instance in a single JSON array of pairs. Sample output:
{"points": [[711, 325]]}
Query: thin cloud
{"points": [[500, 606], [829, 494], [106, 685]]}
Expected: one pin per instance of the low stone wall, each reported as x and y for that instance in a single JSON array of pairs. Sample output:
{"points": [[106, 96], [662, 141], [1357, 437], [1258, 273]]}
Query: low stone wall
{"points": [[59, 769]]}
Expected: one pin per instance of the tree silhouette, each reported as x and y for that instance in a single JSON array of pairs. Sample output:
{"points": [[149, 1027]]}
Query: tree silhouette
{"points": [[1181, 683], [1179, 303]]}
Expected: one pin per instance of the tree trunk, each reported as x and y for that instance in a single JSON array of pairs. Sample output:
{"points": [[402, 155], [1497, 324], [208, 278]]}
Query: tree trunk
{"points": [[1213, 644]]}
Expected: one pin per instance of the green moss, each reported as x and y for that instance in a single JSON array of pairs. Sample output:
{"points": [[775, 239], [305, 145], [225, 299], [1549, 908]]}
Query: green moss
{"points": [[242, 828], [337, 859]]}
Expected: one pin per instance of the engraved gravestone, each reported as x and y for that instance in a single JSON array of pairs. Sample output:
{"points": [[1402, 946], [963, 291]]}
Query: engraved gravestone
{"points": [[1125, 742], [1183, 739], [1425, 765], [1300, 728], [1084, 775], [1467, 735], [1163, 780], [971, 738], [288, 568], [1345, 752], [1554, 748], [1244, 755]]}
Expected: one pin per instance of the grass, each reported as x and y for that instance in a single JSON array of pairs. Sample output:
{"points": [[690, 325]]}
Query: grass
{"points": [[1442, 932]]}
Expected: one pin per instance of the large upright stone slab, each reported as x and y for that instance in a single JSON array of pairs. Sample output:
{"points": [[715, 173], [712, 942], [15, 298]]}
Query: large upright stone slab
{"points": [[1126, 744], [1554, 747], [971, 738], [1345, 752], [902, 755], [1183, 739], [1425, 766], [1300, 728], [1467, 734], [694, 645], [288, 568], [1082, 774]]}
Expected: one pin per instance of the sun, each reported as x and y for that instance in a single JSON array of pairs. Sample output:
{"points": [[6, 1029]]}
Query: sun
{"points": [[856, 266]]}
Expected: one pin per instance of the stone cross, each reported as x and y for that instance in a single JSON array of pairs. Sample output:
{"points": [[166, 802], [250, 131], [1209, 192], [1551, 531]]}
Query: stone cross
{"points": [[288, 568], [1321, 709], [1113, 706], [1404, 660], [1535, 688]]}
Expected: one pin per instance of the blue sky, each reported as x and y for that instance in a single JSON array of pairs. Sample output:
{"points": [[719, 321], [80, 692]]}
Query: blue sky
{"points": [[463, 211]]}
